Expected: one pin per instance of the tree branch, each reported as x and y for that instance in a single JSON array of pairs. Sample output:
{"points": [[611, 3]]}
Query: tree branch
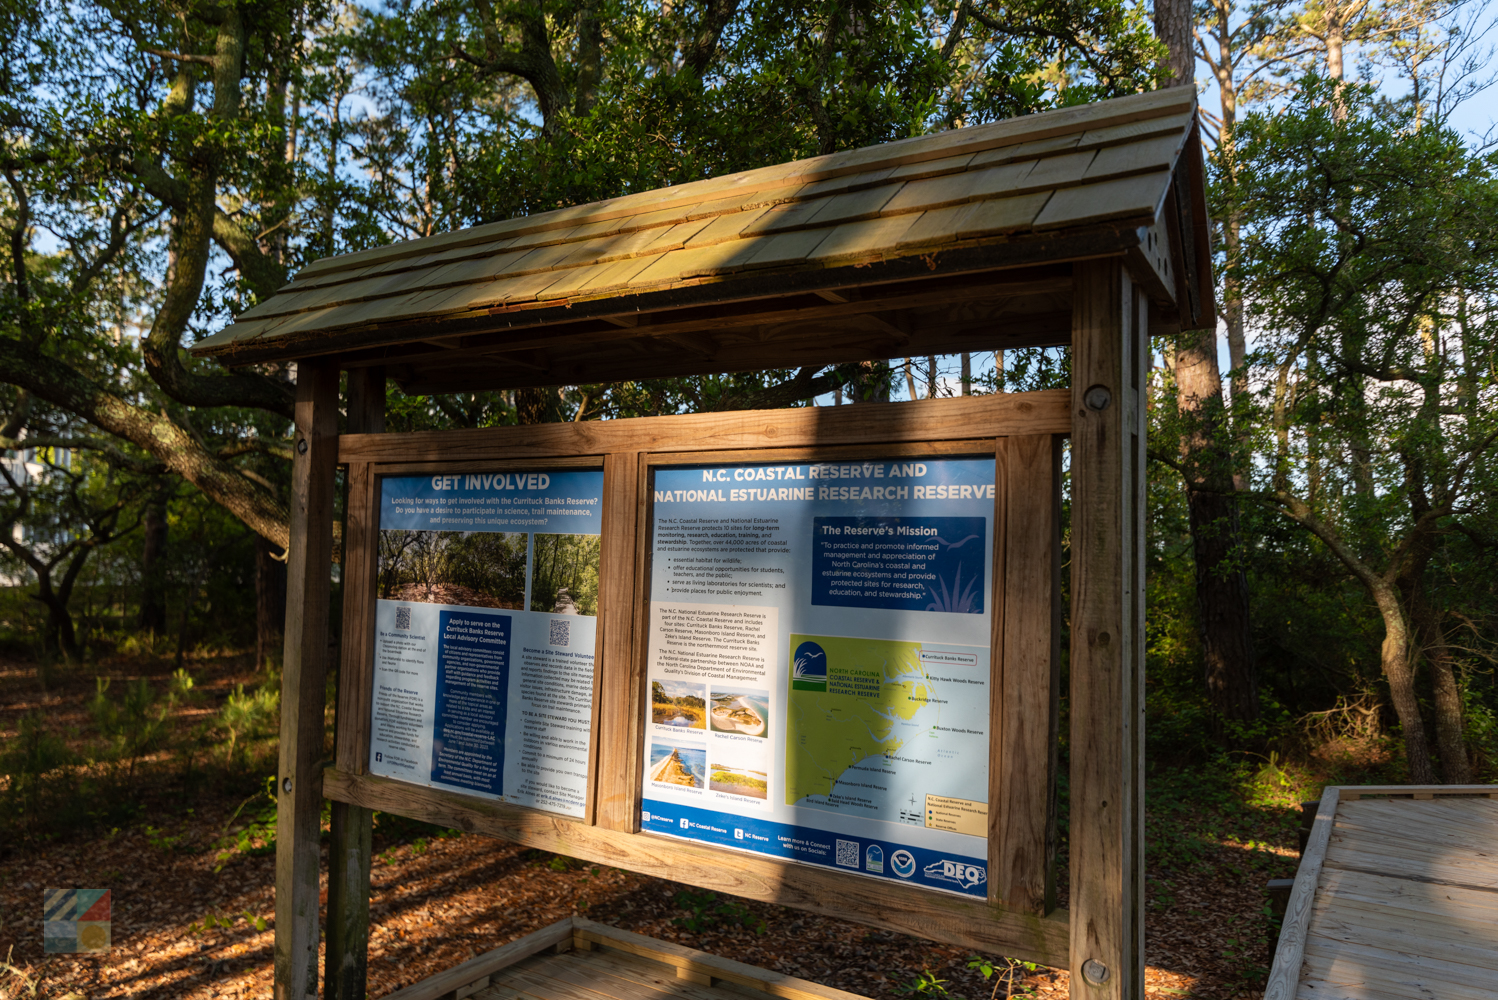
{"points": [[64, 386]]}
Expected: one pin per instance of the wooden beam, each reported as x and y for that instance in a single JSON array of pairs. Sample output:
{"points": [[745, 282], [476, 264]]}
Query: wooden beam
{"points": [[303, 678], [448, 982], [974, 263], [1022, 778], [700, 967], [350, 839], [1107, 800], [905, 909], [617, 686], [803, 309], [1045, 412], [1290, 952]]}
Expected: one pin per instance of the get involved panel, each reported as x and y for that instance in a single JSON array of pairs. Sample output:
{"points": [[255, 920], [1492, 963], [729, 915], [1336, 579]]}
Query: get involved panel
{"points": [[485, 627]]}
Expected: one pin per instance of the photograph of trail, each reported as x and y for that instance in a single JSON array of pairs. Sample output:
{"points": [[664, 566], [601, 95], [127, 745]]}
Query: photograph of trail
{"points": [[564, 574], [1319, 456], [480, 569]]}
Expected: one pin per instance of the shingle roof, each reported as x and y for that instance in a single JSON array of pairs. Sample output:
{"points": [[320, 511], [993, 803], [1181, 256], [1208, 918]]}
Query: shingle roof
{"points": [[1105, 164]]}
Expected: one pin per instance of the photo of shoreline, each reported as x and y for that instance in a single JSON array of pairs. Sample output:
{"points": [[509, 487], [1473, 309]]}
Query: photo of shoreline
{"points": [[671, 765], [739, 781], [742, 710]]}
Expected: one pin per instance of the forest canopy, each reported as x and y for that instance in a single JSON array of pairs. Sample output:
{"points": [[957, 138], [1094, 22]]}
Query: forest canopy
{"points": [[1321, 520]]}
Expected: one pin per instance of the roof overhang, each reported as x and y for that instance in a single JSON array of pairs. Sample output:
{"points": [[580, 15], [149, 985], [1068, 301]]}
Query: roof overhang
{"points": [[959, 241]]}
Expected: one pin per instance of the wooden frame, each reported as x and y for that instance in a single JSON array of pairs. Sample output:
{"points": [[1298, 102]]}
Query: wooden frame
{"points": [[1100, 940], [1016, 919], [578, 933]]}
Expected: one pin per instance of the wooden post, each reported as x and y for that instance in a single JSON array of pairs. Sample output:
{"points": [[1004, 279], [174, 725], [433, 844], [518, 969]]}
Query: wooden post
{"points": [[303, 676], [1107, 623], [617, 681], [1022, 776], [346, 962]]}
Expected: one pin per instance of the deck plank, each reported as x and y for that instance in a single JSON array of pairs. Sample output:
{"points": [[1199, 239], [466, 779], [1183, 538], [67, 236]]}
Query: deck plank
{"points": [[1447, 980], [1406, 901]]}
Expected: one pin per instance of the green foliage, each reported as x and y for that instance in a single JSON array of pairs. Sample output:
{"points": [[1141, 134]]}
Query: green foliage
{"points": [[27, 762], [257, 837], [705, 911], [135, 724], [1004, 976], [246, 716], [923, 985]]}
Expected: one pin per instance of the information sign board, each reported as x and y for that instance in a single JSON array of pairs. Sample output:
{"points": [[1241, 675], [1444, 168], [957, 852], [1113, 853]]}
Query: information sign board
{"points": [[818, 664], [487, 604]]}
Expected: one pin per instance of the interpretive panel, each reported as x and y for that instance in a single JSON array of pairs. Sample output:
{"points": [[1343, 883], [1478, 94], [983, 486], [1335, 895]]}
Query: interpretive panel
{"points": [[487, 588], [818, 662]]}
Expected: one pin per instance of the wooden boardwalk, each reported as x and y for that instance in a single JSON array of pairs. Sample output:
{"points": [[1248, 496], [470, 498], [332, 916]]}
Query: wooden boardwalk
{"points": [[1396, 898]]}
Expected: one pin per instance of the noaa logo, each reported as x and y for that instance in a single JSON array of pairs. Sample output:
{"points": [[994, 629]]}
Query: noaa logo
{"points": [[902, 863], [963, 874]]}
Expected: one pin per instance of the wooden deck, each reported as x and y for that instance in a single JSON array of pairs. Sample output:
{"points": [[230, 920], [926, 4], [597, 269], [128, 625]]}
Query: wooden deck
{"points": [[1397, 898], [577, 959]]}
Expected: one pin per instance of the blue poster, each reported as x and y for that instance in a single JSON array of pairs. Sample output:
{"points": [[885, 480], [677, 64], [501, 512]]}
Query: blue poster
{"points": [[487, 603], [818, 664]]}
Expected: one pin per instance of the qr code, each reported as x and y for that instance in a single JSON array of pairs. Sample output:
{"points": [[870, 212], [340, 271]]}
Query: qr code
{"points": [[847, 853], [561, 630], [403, 618]]}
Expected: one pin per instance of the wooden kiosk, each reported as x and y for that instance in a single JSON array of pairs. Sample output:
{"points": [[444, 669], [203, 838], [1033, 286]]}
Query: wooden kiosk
{"points": [[1085, 226]]}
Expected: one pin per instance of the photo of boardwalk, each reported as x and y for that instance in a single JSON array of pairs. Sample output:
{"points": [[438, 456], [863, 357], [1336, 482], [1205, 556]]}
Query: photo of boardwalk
{"points": [[741, 711], [671, 765]]}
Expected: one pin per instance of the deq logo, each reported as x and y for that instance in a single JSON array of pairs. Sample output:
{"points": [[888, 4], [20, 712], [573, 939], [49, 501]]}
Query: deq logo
{"points": [[963, 874], [902, 863]]}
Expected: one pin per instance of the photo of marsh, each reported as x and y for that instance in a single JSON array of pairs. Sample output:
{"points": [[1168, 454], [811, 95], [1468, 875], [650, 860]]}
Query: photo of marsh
{"points": [[564, 574], [679, 704], [476, 569]]}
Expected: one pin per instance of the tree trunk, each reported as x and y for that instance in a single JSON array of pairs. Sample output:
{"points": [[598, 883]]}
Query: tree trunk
{"points": [[538, 406], [59, 636], [270, 602], [1221, 586], [1451, 741], [1398, 670], [153, 565], [1173, 22]]}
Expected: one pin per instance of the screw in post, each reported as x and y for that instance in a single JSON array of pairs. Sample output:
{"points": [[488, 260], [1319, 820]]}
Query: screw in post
{"points": [[301, 447], [1095, 972], [1097, 398], [286, 785]]}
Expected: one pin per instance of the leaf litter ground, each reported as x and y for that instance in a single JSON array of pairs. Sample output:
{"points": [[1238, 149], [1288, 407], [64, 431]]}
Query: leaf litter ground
{"points": [[194, 906]]}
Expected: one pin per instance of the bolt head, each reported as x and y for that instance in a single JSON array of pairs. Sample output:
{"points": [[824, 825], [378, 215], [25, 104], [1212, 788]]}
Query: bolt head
{"points": [[301, 447], [1095, 972], [286, 785], [1097, 398]]}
